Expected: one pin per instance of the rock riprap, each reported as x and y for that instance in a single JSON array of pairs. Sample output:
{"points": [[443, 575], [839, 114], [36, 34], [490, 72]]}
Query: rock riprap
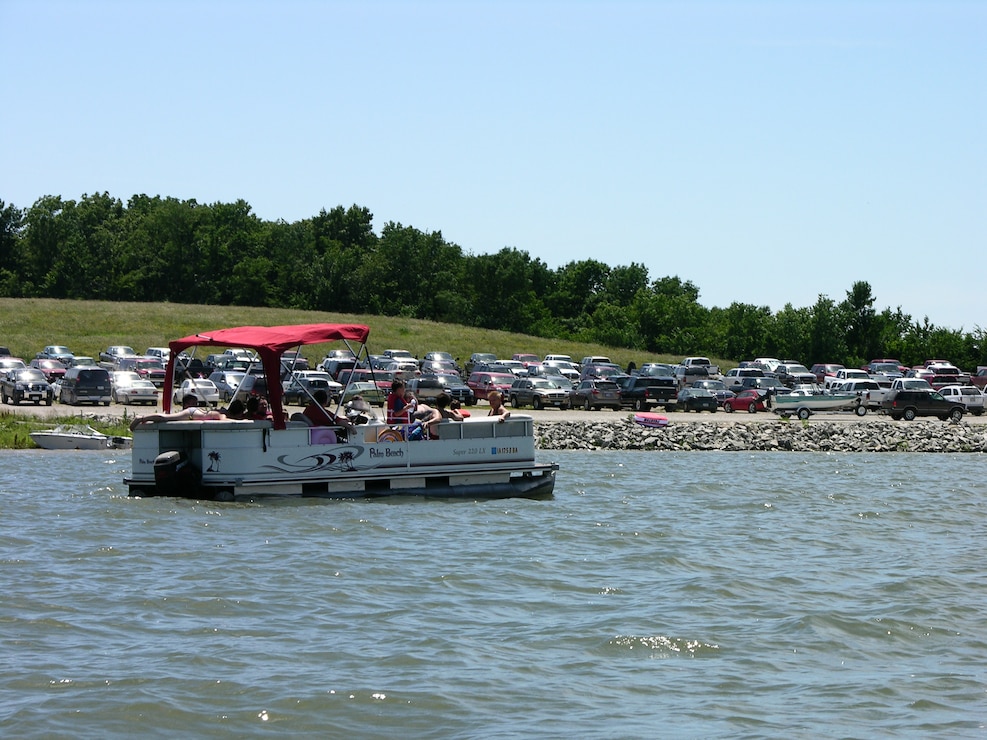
{"points": [[777, 435]]}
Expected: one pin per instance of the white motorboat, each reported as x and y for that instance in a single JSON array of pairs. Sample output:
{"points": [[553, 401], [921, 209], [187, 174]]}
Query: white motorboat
{"points": [[803, 403], [481, 457], [77, 437]]}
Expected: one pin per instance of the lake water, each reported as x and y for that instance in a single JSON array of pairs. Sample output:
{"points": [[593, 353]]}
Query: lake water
{"points": [[677, 595]]}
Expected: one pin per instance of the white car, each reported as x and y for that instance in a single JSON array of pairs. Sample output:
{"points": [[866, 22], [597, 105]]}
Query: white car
{"points": [[128, 387], [205, 390], [969, 395], [161, 353]]}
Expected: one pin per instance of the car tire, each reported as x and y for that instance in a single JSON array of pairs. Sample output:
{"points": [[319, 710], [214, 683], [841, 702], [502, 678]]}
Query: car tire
{"points": [[513, 401], [752, 407], [861, 410], [587, 406], [564, 407], [536, 403], [956, 415], [639, 405], [804, 414], [3, 397], [896, 417], [909, 415], [728, 407]]}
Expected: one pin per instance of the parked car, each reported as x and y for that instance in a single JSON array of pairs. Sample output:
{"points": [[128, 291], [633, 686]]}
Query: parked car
{"points": [[366, 390], [149, 368], [11, 363], [300, 389], [970, 396], [203, 388], [483, 382], [526, 359], [750, 399], [717, 387], [438, 367], [111, 354], [539, 392], [909, 404], [599, 370], [25, 384], [733, 378], [562, 367], [55, 352], [127, 387], [429, 387], [644, 392], [53, 369], [436, 356], [593, 394], [697, 399], [85, 383], [479, 358], [162, 353], [82, 361], [686, 375], [792, 374], [231, 382], [823, 369], [383, 378]]}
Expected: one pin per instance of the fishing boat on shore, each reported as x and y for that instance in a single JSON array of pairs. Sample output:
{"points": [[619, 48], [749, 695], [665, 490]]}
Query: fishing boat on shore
{"points": [[480, 457], [804, 403], [78, 437]]}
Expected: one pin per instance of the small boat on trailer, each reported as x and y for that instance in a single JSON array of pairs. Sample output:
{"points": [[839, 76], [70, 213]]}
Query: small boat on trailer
{"points": [[481, 457], [804, 404]]}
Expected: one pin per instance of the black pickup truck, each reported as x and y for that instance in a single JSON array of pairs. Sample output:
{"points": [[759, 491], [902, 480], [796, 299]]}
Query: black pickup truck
{"points": [[644, 392]]}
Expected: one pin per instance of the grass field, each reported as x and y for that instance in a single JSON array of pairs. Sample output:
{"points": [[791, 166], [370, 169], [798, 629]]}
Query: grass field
{"points": [[87, 327]]}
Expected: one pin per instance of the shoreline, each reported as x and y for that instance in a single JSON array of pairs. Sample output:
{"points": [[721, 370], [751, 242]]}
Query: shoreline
{"points": [[737, 432]]}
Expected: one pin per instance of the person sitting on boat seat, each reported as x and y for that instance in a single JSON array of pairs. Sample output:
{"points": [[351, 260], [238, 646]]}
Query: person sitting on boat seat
{"points": [[191, 411], [236, 410], [319, 416], [428, 417]]}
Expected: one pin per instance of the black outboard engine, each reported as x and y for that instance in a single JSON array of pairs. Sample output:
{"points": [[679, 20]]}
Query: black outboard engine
{"points": [[174, 475]]}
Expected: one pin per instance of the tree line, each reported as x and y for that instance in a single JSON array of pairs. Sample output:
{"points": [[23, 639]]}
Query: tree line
{"points": [[164, 249]]}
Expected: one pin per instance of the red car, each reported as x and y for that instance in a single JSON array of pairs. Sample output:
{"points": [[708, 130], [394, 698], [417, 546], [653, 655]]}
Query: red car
{"points": [[53, 369], [482, 383], [751, 399]]}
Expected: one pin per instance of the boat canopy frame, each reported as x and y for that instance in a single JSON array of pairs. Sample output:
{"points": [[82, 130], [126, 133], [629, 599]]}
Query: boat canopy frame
{"points": [[269, 342]]}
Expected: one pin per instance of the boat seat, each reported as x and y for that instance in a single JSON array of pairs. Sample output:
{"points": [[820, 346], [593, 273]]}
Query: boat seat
{"points": [[299, 416]]}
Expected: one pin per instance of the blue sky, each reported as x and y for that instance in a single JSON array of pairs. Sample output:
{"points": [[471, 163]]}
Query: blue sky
{"points": [[769, 152]]}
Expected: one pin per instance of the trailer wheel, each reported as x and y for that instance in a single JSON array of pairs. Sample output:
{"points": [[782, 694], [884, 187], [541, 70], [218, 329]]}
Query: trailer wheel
{"points": [[804, 413]]}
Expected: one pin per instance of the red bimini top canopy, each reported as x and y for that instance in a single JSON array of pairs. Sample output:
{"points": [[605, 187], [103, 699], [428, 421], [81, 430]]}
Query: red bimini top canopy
{"points": [[269, 342]]}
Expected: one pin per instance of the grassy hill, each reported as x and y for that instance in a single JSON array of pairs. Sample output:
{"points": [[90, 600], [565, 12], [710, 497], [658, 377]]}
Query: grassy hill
{"points": [[87, 327]]}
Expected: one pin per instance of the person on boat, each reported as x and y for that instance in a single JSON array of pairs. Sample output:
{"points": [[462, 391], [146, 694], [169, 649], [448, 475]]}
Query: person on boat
{"points": [[258, 409], [191, 411], [317, 413], [236, 410], [497, 408], [398, 407], [448, 409]]}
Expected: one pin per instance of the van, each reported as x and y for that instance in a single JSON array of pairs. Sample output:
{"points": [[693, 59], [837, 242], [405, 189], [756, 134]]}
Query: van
{"points": [[85, 385]]}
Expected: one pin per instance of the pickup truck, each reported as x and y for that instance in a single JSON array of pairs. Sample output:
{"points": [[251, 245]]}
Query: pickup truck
{"points": [[734, 377], [869, 392], [902, 384], [712, 370], [686, 375], [644, 392], [844, 374]]}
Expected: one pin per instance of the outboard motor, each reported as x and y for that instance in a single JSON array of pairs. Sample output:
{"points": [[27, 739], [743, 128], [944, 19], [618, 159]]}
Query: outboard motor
{"points": [[174, 475]]}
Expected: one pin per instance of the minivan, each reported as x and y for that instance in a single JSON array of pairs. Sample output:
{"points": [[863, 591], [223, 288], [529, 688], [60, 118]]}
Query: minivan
{"points": [[85, 385]]}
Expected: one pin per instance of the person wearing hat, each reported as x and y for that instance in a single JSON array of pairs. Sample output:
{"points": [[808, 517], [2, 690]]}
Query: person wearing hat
{"points": [[190, 411]]}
